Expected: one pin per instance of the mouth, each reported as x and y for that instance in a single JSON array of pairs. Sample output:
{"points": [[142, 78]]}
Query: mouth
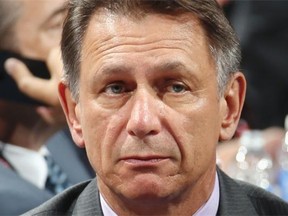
{"points": [[144, 161]]}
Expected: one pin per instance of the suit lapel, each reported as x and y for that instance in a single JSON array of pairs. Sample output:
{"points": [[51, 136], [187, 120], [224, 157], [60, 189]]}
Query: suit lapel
{"points": [[233, 201], [88, 202]]}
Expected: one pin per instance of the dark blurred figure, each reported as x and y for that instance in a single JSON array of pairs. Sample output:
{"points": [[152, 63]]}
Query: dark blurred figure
{"points": [[263, 31], [31, 29]]}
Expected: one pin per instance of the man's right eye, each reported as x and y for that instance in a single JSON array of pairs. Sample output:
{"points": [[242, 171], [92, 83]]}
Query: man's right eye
{"points": [[115, 88]]}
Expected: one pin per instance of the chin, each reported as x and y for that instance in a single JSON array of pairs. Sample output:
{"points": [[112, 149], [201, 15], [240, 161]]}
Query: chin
{"points": [[148, 187]]}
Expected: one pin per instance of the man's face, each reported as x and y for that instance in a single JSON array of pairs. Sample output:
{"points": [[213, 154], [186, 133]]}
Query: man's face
{"points": [[148, 112], [39, 27]]}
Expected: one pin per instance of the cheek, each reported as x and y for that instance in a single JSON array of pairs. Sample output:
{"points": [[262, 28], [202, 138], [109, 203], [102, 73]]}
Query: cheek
{"points": [[101, 129], [33, 47], [50, 39], [198, 135], [93, 124]]}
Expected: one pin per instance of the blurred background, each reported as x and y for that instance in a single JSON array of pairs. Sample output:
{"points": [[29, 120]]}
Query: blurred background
{"points": [[258, 152]]}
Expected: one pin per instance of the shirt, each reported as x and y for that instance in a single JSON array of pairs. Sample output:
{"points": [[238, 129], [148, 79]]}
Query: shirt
{"points": [[209, 208], [29, 164]]}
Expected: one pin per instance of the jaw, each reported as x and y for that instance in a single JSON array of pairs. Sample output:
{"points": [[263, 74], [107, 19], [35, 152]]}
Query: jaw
{"points": [[151, 197]]}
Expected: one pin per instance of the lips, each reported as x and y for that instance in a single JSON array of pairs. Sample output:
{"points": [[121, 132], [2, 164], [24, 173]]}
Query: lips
{"points": [[144, 160]]}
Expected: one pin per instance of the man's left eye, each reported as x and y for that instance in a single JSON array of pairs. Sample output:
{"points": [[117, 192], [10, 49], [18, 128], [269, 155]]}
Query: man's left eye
{"points": [[115, 89], [176, 88]]}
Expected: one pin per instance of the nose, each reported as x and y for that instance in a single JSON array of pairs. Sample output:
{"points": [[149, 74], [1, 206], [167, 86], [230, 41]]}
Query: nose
{"points": [[145, 118]]}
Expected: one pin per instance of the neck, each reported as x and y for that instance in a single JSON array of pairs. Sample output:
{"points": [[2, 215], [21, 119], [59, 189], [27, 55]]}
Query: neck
{"points": [[22, 126], [31, 138], [185, 202]]}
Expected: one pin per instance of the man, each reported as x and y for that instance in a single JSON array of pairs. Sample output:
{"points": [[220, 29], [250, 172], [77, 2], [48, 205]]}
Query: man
{"points": [[32, 28], [150, 88]]}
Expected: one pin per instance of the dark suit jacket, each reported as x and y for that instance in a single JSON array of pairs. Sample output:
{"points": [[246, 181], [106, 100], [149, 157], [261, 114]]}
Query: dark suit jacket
{"points": [[236, 198], [18, 195]]}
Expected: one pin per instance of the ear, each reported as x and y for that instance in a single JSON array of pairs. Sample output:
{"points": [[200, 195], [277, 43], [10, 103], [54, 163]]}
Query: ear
{"points": [[71, 111], [231, 105]]}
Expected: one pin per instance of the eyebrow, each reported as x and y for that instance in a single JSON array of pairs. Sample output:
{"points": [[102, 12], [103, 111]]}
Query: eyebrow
{"points": [[112, 70], [177, 68], [171, 66], [120, 68]]}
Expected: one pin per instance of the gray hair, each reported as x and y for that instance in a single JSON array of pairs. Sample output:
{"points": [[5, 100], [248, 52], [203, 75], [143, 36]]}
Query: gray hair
{"points": [[10, 12], [223, 42]]}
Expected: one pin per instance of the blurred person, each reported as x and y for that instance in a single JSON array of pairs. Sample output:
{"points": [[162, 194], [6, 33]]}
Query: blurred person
{"points": [[263, 33], [150, 88], [32, 29]]}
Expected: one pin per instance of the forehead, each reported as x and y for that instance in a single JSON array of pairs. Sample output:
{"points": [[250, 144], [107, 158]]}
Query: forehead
{"points": [[115, 36], [106, 23], [107, 31]]}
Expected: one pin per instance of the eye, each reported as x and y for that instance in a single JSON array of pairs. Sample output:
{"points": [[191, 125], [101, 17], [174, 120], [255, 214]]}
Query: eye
{"points": [[56, 25], [176, 88], [115, 88]]}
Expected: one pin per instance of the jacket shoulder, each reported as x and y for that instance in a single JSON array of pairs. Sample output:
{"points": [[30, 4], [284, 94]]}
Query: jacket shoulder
{"points": [[61, 204], [15, 189], [264, 202], [241, 198]]}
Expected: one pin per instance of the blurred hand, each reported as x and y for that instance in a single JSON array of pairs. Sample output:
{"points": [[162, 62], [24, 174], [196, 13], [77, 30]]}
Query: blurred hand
{"points": [[41, 89]]}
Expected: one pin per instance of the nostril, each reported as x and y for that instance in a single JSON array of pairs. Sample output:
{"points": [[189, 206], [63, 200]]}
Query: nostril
{"points": [[130, 132], [142, 132], [153, 132], [138, 132]]}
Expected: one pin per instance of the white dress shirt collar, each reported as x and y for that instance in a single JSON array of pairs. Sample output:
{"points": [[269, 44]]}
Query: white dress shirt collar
{"points": [[29, 164], [211, 206]]}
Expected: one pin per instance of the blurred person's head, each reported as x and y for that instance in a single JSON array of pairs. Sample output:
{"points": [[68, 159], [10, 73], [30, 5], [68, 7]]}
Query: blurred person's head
{"points": [[30, 28]]}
